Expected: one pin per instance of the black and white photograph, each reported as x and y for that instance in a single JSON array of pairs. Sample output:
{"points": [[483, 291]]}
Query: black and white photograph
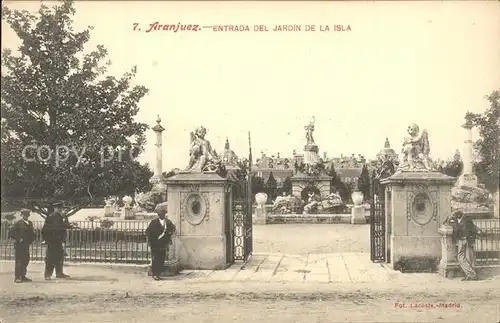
{"points": [[250, 161]]}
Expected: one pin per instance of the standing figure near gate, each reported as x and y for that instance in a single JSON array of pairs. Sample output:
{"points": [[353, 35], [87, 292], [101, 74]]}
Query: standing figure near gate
{"points": [[23, 235], [465, 232], [54, 234], [159, 233]]}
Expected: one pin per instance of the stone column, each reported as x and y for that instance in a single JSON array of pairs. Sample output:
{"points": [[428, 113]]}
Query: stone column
{"points": [[468, 149], [158, 129], [496, 200], [467, 178], [448, 265]]}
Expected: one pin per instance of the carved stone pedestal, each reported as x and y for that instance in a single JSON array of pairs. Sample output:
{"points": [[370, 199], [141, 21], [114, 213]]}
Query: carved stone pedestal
{"points": [[448, 266], [358, 215], [420, 202], [109, 210], [128, 213], [260, 214], [311, 154]]}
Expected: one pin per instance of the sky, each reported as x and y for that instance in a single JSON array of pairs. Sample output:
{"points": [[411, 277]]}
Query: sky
{"points": [[423, 62]]}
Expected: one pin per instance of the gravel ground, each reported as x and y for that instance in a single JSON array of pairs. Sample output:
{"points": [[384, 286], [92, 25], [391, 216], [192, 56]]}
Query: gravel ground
{"points": [[252, 307], [103, 295]]}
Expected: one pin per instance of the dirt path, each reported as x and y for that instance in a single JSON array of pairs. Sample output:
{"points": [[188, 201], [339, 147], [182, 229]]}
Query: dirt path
{"points": [[251, 307]]}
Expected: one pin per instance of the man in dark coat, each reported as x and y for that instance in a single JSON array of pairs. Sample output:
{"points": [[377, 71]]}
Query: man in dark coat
{"points": [[23, 235], [465, 232], [54, 234], [159, 233]]}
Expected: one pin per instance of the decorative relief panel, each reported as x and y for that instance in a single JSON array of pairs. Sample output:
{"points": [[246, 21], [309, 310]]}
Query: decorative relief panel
{"points": [[194, 188], [435, 199], [195, 207], [421, 205]]}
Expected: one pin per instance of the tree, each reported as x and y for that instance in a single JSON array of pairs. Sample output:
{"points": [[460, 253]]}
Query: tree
{"points": [[271, 187], [364, 182], [68, 130], [336, 185], [487, 146], [452, 167], [333, 179], [240, 177], [258, 184], [286, 187]]}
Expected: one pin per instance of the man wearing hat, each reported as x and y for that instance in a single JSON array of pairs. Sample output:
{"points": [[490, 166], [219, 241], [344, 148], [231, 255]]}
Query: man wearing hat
{"points": [[23, 235], [465, 232], [54, 234], [159, 233]]}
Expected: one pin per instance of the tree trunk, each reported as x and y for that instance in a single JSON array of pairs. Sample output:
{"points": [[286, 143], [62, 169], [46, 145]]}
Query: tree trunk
{"points": [[496, 199]]}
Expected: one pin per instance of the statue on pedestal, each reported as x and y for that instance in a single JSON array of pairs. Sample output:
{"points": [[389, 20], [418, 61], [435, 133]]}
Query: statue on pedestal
{"points": [[201, 155], [309, 132], [416, 150]]}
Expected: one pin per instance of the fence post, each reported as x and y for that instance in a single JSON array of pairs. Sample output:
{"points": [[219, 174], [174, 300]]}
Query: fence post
{"points": [[449, 262], [172, 264]]}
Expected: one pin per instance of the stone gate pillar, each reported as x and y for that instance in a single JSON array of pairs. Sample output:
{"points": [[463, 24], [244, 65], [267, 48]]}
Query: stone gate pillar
{"points": [[420, 202], [197, 205]]}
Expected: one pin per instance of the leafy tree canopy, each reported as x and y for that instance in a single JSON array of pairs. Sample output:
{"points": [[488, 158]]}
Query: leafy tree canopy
{"points": [[364, 182], [488, 145], [336, 185], [258, 184], [65, 124], [287, 187], [452, 167], [271, 187]]}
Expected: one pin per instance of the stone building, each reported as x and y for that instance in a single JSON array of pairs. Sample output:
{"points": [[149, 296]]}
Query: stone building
{"points": [[280, 167], [348, 168], [387, 152]]}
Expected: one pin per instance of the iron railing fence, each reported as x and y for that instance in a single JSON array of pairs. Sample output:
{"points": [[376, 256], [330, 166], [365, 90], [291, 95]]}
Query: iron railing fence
{"points": [[103, 241], [487, 246], [126, 242]]}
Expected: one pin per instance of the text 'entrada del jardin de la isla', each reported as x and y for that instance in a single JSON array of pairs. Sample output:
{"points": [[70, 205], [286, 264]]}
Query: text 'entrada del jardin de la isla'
{"points": [[180, 27]]}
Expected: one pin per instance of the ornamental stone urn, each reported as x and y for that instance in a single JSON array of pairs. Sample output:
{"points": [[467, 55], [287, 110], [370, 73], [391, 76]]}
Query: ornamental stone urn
{"points": [[261, 198], [357, 211], [357, 198]]}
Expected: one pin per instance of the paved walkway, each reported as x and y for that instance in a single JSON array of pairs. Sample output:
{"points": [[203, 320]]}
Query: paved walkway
{"points": [[349, 268]]}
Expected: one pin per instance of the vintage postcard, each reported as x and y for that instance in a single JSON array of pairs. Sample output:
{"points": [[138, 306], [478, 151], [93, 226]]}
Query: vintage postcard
{"points": [[250, 161]]}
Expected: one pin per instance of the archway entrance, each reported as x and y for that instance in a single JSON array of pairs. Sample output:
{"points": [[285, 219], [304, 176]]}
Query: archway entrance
{"points": [[304, 195]]}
